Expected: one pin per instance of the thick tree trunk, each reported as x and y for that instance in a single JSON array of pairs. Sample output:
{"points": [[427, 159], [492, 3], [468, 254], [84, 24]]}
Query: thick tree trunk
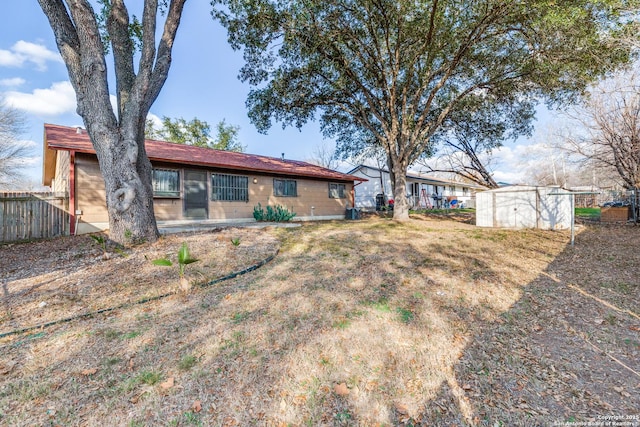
{"points": [[398, 174], [126, 170], [118, 141], [401, 205]]}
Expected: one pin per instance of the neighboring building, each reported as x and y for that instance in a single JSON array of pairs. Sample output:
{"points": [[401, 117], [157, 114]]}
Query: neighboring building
{"points": [[422, 191], [193, 183], [521, 206]]}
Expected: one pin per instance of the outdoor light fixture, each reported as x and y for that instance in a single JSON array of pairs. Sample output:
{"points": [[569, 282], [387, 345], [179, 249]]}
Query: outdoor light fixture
{"points": [[255, 180]]}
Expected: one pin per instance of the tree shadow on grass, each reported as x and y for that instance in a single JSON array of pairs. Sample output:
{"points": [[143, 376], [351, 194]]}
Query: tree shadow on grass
{"points": [[421, 325], [566, 351]]}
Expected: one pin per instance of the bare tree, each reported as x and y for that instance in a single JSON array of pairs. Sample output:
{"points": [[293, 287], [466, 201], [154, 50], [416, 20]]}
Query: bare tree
{"points": [[465, 158], [13, 152], [324, 155], [610, 119]]}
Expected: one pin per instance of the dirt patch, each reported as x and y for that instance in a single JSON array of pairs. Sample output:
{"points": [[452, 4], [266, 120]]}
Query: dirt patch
{"points": [[62, 278], [372, 322]]}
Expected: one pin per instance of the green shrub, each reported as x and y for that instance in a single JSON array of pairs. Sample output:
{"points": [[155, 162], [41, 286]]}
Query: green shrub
{"points": [[276, 213]]}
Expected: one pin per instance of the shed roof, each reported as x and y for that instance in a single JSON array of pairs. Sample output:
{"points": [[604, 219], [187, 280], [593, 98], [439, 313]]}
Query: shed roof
{"points": [[69, 138], [518, 188]]}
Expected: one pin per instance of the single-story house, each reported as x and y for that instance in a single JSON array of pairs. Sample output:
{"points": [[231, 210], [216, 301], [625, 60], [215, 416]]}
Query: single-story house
{"points": [[422, 191], [193, 183], [522, 206]]}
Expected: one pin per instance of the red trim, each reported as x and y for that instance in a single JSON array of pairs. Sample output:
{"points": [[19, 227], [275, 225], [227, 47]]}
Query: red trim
{"points": [[72, 192]]}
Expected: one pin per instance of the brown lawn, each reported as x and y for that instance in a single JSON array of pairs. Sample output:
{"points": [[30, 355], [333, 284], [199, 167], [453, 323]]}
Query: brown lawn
{"points": [[372, 322]]}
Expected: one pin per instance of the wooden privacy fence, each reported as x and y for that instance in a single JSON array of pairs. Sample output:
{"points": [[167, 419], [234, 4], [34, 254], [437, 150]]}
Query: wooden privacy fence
{"points": [[26, 216]]}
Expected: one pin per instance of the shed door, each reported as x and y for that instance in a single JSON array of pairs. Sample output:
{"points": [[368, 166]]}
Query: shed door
{"points": [[195, 195]]}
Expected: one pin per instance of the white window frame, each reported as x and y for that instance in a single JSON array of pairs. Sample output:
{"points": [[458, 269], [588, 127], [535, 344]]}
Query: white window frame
{"points": [[165, 193]]}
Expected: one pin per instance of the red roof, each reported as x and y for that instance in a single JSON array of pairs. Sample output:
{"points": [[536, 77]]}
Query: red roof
{"points": [[67, 138]]}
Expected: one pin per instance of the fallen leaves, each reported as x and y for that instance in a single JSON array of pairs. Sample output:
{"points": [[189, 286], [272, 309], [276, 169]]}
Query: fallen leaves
{"points": [[6, 367], [197, 406], [622, 391], [300, 400], [88, 372], [341, 389], [136, 398], [169, 383], [401, 408]]}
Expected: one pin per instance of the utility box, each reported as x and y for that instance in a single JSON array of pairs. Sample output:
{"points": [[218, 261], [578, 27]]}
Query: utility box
{"points": [[353, 213]]}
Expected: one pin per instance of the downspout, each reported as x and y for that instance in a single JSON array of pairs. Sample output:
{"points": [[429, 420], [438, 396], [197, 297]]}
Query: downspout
{"points": [[353, 194], [73, 218]]}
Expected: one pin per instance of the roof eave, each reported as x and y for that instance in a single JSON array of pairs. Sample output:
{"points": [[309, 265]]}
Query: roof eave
{"points": [[346, 177]]}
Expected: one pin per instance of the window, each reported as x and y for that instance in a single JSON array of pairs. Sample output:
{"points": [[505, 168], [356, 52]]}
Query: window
{"points": [[229, 188], [452, 189], [166, 183], [337, 191], [285, 188], [465, 191]]}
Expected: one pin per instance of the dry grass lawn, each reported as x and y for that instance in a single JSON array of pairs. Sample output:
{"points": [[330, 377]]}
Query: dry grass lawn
{"points": [[430, 322]]}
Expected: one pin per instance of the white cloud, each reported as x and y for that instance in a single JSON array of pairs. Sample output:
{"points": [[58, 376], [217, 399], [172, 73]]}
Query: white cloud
{"points": [[507, 176], [10, 59], [157, 121], [60, 98], [26, 52], [12, 82], [506, 164]]}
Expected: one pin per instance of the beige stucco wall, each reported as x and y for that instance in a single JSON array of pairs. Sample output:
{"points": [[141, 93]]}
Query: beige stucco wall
{"points": [[312, 200]]}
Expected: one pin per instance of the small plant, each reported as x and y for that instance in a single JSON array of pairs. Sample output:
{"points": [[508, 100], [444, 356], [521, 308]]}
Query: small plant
{"points": [[102, 243], [184, 259], [131, 335], [276, 213], [240, 317], [235, 241], [343, 416], [187, 362], [342, 323], [258, 213], [149, 377], [381, 305], [406, 316], [192, 418]]}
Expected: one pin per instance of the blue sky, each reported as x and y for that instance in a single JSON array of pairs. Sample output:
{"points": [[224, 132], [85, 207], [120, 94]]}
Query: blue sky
{"points": [[202, 83]]}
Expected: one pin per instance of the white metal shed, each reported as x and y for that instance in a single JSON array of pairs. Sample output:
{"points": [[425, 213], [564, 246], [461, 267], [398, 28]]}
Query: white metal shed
{"points": [[520, 206]]}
